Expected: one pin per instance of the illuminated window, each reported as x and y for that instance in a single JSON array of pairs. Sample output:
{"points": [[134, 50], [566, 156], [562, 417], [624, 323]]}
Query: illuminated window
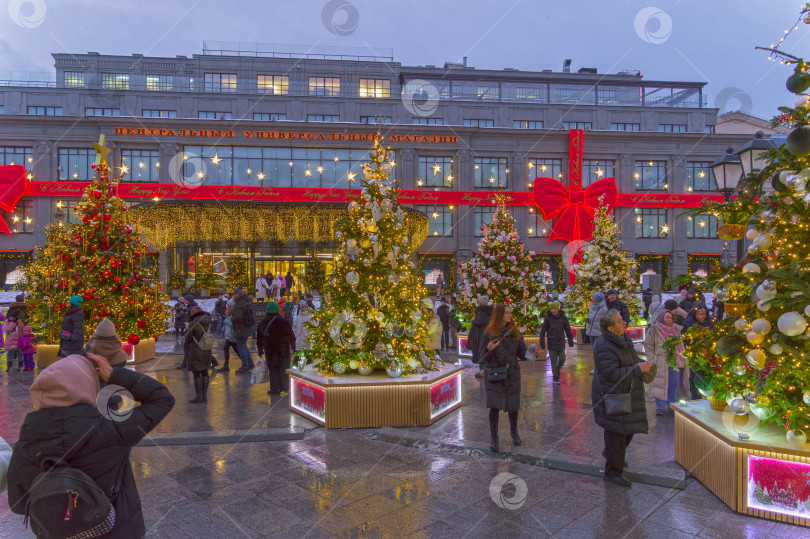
{"points": [[220, 82], [701, 226], [483, 215], [376, 88], [324, 86], [545, 168], [490, 172], [596, 169], [115, 81], [537, 226], [650, 175], [651, 222], [435, 172], [74, 79], [440, 219], [159, 82], [273, 84], [20, 221], [17, 155], [699, 176], [142, 165], [74, 164]]}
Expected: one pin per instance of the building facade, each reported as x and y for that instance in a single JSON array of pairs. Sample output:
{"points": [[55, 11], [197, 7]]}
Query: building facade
{"points": [[236, 119]]}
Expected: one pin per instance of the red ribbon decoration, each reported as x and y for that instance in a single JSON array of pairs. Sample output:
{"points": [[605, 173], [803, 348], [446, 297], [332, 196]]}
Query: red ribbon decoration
{"points": [[574, 208], [12, 188]]}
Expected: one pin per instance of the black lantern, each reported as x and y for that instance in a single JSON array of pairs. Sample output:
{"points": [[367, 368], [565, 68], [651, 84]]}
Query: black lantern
{"points": [[727, 171], [752, 155]]}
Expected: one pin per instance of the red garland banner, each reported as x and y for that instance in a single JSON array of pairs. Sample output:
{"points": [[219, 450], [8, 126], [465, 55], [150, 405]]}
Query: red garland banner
{"points": [[146, 191]]}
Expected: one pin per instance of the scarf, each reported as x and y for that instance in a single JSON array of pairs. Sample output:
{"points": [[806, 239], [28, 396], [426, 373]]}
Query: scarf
{"points": [[672, 331]]}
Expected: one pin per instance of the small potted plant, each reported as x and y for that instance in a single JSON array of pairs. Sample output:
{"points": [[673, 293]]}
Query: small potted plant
{"points": [[176, 282], [205, 279]]}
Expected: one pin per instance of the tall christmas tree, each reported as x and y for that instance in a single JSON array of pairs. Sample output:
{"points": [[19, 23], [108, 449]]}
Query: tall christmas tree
{"points": [[100, 260], [604, 266], [503, 271], [761, 352], [372, 316], [237, 273]]}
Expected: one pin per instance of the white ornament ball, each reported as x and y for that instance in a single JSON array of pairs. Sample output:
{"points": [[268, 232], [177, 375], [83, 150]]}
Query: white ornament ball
{"points": [[738, 406], [764, 294], [802, 101], [792, 324], [796, 438], [751, 233], [761, 326], [776, 349], [763, 306], [806, 397], [353, 364], [411, 363], [807, 310], [741, 324], [752, 268]]}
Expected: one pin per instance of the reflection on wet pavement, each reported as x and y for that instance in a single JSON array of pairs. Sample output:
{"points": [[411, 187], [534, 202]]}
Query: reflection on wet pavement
{"points": [[346, 483]]}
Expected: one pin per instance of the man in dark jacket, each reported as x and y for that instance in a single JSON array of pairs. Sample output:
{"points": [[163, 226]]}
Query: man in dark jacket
{"points": [[69, 423], [71, 336], [219, 311], [276, 342], [482, 315], [289, 281], [242, 329], [553, 334], [691, 303], [443, 312], [618, 371], [612, 301]]}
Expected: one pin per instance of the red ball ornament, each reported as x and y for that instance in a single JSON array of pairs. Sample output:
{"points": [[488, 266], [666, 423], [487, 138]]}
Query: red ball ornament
{"points": [[106, 273], [107, 217], [133, 339], [96, 194], [66, 258], [141, 323]]}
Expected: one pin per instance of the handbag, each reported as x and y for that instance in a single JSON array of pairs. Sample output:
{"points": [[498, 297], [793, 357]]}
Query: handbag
{"points": [[496, 374], [617, 403], [260, 373]]}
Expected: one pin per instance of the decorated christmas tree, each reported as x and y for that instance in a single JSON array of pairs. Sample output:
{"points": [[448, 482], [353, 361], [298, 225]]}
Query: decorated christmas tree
{"points": [[503, 271], [314, 274], [604, 266], [237, 273], [98, 259], [372, 316], [760, 360]]}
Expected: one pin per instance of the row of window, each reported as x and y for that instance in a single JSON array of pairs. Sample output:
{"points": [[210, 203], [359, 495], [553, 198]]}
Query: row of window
{"points": [[235, 165], [650, 222], [445, 89], [469, 122]]}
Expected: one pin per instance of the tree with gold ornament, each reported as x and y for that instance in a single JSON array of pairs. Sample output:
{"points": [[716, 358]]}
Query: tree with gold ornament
{"points": [[503, 271], [604, 266], [372, 315], [99, 259], [237, 273], [760, 363]]}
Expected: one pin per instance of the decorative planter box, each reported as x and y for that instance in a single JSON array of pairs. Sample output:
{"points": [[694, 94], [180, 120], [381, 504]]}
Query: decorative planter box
{"points": [[637, 333], [46, 354], [762, 475], [143, 351], [377, 400]]}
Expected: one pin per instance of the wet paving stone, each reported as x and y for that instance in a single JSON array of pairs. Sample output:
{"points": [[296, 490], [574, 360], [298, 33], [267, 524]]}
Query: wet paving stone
{"points": [[421, 482]]}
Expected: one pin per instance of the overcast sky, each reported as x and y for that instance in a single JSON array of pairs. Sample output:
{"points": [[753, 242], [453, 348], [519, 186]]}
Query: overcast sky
{"points": [[693, 40]]}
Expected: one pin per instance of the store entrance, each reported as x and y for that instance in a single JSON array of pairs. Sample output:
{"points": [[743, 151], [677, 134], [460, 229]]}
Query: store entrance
{"points": [[272, 267]]}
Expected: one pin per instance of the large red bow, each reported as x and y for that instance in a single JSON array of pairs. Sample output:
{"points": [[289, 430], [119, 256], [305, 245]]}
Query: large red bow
{"points": [[575, 208], [12, 188]]}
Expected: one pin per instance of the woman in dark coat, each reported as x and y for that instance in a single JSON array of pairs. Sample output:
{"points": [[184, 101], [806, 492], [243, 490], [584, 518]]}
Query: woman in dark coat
{"points": [[502, 345], [69, 420], [479, 323], [618, 370], [71, 336], [276, 343], [197, 360]]}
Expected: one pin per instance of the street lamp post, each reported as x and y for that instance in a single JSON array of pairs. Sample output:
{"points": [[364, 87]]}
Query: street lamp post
{"points": [[753, 154], [728, 171]]}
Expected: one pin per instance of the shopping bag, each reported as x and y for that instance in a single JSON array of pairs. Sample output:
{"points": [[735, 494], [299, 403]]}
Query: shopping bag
{"points": [[260, 374]]}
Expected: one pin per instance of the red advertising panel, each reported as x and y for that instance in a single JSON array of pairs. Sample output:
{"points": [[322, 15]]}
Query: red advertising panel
{"points": [[445, 395], [308, 399], [779, 486]]}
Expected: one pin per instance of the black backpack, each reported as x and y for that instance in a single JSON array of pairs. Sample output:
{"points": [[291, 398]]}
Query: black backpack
{"points": [[250, 318], [64, 502]]}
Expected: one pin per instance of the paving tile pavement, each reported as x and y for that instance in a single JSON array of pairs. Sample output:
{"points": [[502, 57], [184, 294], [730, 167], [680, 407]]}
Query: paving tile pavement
{"points": [[345, 483]]}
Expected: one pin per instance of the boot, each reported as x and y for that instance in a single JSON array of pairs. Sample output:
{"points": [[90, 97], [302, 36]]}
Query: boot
{"points": [[205, 388], [198, 390], [493, 443], [225, 367], [513, 431]]}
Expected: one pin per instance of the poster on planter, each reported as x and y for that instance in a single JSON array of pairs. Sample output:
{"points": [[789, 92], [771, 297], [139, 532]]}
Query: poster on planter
{"points": [[309, 399], [444, 395], [779, 486]]}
